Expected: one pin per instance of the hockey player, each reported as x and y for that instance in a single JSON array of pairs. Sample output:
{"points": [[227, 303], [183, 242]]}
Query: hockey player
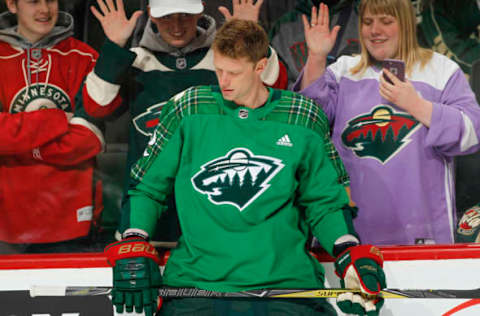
{"points": [[47, 147], [252, 177], [397, 140], [173, 54]]}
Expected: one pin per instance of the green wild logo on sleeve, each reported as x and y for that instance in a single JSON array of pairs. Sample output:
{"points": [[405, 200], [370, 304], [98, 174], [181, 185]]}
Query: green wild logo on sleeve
{"points": [[238, 178], [146, 122], [380, 134]]}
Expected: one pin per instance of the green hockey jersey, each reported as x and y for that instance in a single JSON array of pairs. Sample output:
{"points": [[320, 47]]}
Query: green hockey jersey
{"points": [[249, 185]]}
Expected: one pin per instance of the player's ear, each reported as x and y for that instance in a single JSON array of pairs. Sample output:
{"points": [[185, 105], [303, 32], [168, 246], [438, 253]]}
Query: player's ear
{"points": [[12, 6], [261, 65]]}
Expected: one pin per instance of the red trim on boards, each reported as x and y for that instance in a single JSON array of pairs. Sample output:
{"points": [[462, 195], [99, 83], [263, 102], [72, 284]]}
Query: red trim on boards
{"points": [[52, 261], [98, 260], [422, 252]]}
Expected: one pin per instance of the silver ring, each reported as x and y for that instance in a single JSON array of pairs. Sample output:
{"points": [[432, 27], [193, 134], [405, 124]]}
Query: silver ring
{"points": [[313, 24]]}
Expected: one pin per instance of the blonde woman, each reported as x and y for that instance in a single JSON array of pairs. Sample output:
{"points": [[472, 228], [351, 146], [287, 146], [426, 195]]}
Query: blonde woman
{"points": [[397, 140]]}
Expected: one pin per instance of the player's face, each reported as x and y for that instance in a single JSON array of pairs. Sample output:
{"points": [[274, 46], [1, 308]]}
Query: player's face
{"points": [[381, 35], [36, 18], [177, 29], [237, 78]]}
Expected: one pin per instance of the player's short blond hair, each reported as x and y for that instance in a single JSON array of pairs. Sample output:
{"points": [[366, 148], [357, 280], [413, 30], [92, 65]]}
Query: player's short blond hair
{"points": [[241, 38]]}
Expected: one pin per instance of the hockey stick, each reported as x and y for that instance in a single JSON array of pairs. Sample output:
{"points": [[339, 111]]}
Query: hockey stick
{"points": [[268, 293]]}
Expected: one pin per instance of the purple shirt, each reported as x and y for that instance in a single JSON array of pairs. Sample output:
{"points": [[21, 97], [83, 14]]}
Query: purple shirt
{"points": [[401, 172]]}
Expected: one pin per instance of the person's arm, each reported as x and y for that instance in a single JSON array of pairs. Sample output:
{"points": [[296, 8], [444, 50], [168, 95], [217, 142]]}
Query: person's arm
{"points": [[404, 95], [117, 27], [134, 260], [455, 125], [322, 196], [100, 94], [101, 91], [325, 90], [81, 142], [453, 120], [326, 212], [320, 41], [334, 157], [22, 132], [315, 80], [152, 177], [342, 176]]}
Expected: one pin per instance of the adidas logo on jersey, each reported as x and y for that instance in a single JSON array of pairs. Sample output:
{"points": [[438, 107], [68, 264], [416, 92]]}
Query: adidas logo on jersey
{"points": [[284, 141]]}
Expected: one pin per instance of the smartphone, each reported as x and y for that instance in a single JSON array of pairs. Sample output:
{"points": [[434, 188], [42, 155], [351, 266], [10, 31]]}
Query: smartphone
{"points": [[396, 67]]}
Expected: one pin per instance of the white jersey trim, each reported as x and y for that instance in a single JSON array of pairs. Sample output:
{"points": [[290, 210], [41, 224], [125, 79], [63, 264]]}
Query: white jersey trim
{"points": [[448, 196], [146, 61], [270, 73], [71, 51], [346, 238], [469, 138], [101, 91], [206, 62], [12, 56]]}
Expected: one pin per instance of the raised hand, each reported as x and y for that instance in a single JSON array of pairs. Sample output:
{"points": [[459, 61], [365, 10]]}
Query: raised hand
{"points": [[404, 95], [320, 40], [243, 10], [114, 20]]}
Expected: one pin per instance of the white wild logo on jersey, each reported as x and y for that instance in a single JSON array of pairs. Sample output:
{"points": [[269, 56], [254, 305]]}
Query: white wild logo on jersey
{"points": [[238, 178]]}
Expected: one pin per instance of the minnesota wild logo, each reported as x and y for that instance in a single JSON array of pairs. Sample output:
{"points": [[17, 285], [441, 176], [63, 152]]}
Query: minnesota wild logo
{"points": [[146, 122], [238, 178], [380, 134], [40, 96]]}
